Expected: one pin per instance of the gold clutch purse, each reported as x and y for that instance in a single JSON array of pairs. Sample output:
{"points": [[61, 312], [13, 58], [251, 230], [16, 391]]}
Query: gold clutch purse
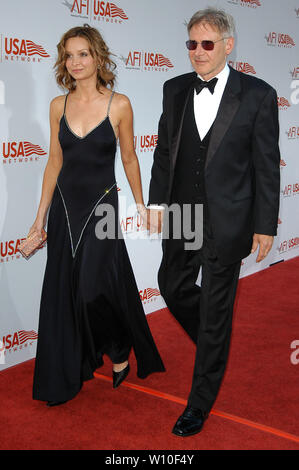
{"points": [[29, 246]]}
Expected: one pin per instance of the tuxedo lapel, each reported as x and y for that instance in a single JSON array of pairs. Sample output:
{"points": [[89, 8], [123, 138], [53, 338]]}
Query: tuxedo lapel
{"points": [[228, 107], [180, 104]]}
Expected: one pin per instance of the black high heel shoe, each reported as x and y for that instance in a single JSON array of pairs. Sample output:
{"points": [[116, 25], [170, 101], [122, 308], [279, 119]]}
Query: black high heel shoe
{"points": [[119, 377]]}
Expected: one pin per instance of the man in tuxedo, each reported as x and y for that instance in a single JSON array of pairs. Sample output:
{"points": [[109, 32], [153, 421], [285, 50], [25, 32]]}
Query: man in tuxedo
{"points": [[217, 146]]}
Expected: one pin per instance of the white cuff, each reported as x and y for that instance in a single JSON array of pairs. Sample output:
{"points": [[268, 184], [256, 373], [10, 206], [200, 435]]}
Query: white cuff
{"points": [[154, 206]]}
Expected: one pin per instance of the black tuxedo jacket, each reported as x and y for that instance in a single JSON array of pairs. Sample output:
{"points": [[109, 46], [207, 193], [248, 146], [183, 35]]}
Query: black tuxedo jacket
{"points": [[242, 172]]}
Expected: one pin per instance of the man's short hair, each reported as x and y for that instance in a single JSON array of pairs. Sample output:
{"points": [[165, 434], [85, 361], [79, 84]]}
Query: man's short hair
{"points": [[218, 18]]}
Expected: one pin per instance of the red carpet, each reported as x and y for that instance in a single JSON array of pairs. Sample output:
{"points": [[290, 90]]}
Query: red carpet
{"points": [[257, 407]]}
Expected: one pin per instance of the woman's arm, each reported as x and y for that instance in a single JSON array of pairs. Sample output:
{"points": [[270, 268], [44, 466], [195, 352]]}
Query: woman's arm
{"points": [[128, 154], [52, 168]]}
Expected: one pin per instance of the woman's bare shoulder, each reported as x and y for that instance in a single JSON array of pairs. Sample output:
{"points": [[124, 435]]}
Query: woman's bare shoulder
{"points": [[57, 105], [122, 102], [122, 99]]}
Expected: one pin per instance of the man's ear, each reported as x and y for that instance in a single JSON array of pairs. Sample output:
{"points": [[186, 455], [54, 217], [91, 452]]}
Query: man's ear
{"points": [[229, 45]]}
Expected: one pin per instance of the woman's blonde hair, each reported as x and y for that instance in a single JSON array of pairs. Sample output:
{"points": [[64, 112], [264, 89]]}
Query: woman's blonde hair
{"points": [[98, 49]]}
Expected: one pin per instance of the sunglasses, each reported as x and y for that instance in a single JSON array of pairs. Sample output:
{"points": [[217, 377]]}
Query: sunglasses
{"points": [[206, 45]]}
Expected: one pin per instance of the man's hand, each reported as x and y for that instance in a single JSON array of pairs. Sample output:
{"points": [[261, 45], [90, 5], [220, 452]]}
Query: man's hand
{"points": [[155, 220], [264, 242]]}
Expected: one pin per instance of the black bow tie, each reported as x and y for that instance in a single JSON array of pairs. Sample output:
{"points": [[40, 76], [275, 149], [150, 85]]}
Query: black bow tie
{"points": [[200, 84]]}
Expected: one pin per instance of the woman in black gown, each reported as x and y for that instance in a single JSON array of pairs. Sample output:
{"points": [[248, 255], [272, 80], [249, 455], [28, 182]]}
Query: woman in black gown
{"points": [[90, 303]]}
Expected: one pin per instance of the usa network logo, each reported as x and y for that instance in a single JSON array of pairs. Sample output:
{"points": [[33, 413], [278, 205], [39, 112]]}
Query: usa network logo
{"points": [[149, 295], [244, 67], [21, 152], [145, 143], [16, 341], [279, 40], [245, 3], [9, 250], [147, 61], [96, 10], [22, 50]]}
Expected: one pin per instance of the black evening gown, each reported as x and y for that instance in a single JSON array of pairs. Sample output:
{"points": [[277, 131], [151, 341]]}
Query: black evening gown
{"points": [[90, 304]]}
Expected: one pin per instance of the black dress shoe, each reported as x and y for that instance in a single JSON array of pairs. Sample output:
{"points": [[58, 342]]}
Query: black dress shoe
{"points": [[190, 422], [55, 403], [118, 377]]}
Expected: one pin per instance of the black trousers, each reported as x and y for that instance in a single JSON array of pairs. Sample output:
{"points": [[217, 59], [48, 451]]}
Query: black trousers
{"points": [[204, 312]]}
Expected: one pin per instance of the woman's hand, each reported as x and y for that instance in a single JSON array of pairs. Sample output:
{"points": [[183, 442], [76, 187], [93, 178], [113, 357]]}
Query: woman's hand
{"points": [[144, 213], [38, 227]]}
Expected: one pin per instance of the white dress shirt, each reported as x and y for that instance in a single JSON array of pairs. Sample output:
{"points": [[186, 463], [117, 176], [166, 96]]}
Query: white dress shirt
{"points": [[206, 104], [206, 107]]}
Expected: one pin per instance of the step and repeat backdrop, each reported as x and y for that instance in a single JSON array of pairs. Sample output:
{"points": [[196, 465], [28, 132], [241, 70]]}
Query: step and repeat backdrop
{"points": [[147, 39]]}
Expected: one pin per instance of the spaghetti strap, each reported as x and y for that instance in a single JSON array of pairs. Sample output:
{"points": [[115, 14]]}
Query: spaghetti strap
{"points": [[65, 103], [109, 104]]}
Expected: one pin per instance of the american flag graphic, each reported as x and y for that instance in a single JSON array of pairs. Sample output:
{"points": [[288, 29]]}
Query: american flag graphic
{"points": [[116, 11], [31, 148], [27, 336], [289, 40], [163, 61], [33, 49], [152, 292], [283, 163], [283, 102], [255, 2], [248, 68]]}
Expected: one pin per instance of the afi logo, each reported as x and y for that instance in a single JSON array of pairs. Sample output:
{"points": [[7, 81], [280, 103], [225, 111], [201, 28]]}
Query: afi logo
{"points": [[132, 224], [23, 49], [295, 72], [293, 132], [283, 103], [149, 295], [242, 67], [283, 247], [279, 39], [21, 152], [77, 7], [80, 6]]}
